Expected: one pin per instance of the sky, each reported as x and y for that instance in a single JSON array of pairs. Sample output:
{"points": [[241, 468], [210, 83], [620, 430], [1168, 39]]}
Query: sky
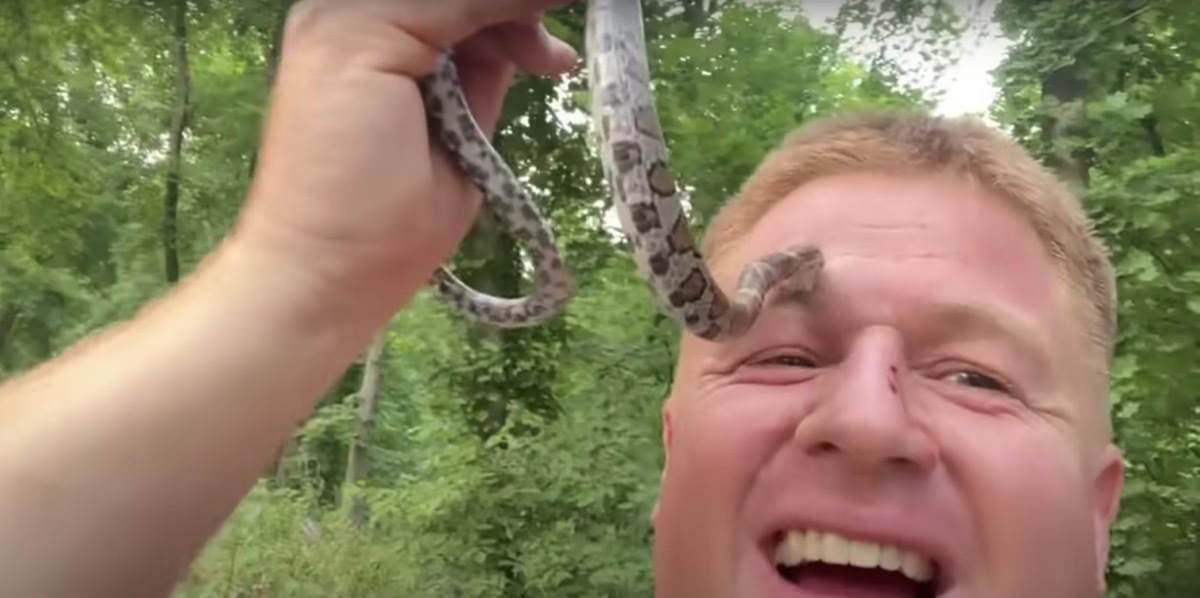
{"points": [[966, 87]]}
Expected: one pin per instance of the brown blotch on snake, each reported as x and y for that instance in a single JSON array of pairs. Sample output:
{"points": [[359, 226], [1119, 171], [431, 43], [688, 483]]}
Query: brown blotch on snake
{"points": [[646, 195]]}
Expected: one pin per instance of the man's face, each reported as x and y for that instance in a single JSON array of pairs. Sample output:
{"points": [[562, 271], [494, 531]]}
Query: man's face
{"points": [[926, 411]]}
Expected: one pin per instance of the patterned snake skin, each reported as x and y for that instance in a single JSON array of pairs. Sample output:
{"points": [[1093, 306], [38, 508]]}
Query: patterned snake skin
{"points": [[634, 156]]}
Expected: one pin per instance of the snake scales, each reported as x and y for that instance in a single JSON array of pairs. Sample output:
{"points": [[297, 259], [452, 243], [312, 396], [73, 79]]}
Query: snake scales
{"points": [[634, 157]]}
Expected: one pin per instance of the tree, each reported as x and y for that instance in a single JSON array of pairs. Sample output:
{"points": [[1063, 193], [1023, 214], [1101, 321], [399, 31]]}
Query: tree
{"points": [[524, 463]]}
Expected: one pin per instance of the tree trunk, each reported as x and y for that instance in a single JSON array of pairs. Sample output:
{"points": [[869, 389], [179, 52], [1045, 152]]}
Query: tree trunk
{"points": [[273, 51], [279, 468], [1067, 88], [9, 319], [698, 13], [359, 464], [179, 123]]}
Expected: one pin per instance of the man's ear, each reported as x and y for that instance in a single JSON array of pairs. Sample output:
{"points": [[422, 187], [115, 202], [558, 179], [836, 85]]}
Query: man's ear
{"points": [[667, 434], [1110, 480], [668, 427]]}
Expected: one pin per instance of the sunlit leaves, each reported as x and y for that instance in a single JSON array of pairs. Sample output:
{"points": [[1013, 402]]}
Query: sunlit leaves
{"points": [[747, 79]]}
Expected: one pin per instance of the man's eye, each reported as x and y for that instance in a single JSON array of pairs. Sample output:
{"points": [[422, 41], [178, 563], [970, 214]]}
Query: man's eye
{"points": [[978, 380], [798, 361]]}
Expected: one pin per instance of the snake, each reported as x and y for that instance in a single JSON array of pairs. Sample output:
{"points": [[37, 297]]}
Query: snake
{"points": [[648, 200]]}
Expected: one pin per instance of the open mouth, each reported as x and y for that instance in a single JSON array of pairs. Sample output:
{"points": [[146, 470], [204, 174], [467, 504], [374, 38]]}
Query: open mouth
{"points": [[829, 564]]}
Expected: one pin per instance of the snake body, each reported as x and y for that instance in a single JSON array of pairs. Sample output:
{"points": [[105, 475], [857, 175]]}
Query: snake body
{"points": [[451, 121], [634, 157]]}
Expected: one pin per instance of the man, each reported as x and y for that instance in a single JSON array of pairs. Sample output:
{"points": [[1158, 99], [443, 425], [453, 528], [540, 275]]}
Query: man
{"points": [[937, 409], [915, 415]]}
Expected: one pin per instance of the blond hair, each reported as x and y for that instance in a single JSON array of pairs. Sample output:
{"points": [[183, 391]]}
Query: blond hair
{"points": [[903, 142]]}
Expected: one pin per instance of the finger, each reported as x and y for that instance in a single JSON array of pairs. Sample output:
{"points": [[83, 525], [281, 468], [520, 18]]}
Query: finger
{"points": [[531, 47], [443, 26], [528, 46], [485, 86], [487, 61], [480, 14]]}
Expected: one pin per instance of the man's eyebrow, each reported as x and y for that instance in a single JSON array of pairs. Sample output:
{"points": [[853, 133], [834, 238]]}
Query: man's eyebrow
{"points": [[944, 319], [968, 319]]}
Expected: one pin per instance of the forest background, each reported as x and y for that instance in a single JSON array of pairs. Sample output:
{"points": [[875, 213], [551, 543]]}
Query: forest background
{"points": [[456, 461]]}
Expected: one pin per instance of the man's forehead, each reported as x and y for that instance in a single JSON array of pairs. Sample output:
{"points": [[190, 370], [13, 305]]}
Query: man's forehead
{"points": [[954, 253], [895, 217], [865, 200]]}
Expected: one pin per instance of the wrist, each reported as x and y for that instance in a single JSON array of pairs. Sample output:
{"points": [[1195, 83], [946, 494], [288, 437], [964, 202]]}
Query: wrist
{"points": [[269, 299], [309, 284], [367, 268]]}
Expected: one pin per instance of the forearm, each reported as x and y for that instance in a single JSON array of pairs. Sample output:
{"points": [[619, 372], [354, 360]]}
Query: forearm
{"points": [[119, 460]]}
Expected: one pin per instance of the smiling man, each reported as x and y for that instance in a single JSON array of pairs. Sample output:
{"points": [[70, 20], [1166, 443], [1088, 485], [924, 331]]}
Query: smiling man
{"points": [[933, 421]]}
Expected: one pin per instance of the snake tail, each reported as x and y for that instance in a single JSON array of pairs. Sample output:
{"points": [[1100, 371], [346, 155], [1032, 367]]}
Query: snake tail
{"points": [[451, 122]]}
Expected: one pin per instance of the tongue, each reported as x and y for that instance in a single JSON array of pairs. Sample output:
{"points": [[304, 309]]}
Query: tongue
{"points": [[821, 579]]}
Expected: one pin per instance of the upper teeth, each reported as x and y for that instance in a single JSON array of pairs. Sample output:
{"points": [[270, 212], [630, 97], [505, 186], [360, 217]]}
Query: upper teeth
{"points": [[803, 547]]}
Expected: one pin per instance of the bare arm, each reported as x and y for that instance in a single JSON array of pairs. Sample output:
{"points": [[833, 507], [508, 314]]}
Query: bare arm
{"points": [[160, 425], [121, 458]]}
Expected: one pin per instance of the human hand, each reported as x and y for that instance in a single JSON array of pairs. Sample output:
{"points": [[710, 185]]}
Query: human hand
{"points": [[349, 192]]}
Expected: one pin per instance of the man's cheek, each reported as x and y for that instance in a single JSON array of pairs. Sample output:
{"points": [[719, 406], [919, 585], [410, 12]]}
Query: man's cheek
{"points": [[1034, 510], [705, 456], [726, 439]]}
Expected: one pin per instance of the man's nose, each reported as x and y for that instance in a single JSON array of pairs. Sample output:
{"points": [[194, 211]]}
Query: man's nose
{"points": [[862, 418]]}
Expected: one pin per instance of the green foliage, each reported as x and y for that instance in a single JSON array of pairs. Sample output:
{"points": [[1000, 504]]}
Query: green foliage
{"points": [[525, 463], [1131, 65], [748, 78]]}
